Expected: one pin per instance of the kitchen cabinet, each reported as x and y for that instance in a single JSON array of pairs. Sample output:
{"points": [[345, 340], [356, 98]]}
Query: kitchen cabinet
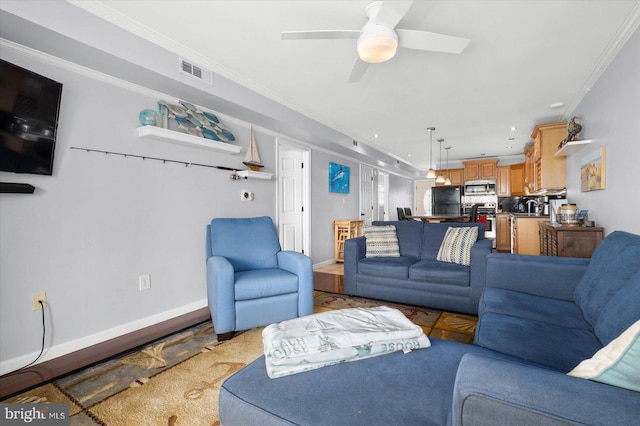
{"points": [[503, 232], [529, 174], [455, 175], [480, 169], [517, 179], [550, 171], [342, 231], [568, 241], [503, 181], [525, 234]]}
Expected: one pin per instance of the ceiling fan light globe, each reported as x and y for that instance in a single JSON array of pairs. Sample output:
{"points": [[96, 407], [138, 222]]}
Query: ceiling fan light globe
{"points": [[377, 49], [377, 43]]}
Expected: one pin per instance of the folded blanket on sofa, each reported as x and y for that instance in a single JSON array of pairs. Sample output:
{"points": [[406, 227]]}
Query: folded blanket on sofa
{"points": [[328, 338]]}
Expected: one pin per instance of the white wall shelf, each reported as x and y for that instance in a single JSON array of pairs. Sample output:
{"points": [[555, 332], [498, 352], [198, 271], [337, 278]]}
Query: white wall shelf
{"points": [[571, 148], [252, 174], [172, 136]]}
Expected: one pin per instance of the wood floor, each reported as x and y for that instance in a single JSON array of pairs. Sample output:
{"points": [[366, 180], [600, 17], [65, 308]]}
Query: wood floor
{"points": [[329, 278], [449, 326]]}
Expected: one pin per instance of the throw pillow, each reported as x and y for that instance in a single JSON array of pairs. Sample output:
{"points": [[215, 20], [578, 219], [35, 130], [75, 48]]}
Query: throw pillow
{"points": [[382, 241], [616, 364], [457, 243]]}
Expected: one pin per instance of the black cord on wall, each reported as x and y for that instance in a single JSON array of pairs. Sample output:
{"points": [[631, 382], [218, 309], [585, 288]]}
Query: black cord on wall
{"points": [[44, 332]]}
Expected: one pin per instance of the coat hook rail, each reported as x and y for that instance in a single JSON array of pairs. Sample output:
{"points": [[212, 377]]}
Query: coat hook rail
{"points": [[164, 160]]}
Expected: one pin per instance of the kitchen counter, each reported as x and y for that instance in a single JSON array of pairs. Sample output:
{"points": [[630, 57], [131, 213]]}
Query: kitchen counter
{"points": [[529, 215]]}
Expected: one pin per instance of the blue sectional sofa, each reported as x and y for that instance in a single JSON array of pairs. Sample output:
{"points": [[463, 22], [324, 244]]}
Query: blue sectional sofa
{"points": [[539, 318], [417, 277]]}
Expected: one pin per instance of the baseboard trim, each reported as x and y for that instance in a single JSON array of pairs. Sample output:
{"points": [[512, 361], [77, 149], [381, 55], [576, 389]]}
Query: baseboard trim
{"points": [[36, 375]]}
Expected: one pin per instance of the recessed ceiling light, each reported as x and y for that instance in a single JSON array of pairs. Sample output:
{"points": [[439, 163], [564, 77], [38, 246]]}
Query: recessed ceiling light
{"points": [[509, 147], [513, 128], [556, 105], [375, 136]]}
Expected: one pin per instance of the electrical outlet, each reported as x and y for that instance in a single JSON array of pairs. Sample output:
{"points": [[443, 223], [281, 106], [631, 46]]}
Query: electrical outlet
{"points": [[246, 195], [36, 298], [144, 282]]}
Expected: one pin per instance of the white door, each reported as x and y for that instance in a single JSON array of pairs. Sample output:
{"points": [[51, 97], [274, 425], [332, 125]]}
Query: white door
{"points": [[383, 196], [293, 197], [367, 197]]}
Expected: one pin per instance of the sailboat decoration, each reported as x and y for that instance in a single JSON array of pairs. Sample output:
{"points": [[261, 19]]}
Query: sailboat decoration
{"points": [[252, 158]]}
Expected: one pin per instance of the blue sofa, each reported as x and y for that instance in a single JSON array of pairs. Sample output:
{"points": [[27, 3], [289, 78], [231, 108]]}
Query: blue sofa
{"points": [[416, 277], [539, 317]]}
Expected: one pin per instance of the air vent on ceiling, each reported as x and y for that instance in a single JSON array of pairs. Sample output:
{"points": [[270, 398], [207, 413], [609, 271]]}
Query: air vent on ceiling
{"points": [[195, 71]]}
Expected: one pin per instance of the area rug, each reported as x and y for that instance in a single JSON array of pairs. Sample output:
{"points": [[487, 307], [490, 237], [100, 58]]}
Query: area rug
{"points": [[176, 380]]}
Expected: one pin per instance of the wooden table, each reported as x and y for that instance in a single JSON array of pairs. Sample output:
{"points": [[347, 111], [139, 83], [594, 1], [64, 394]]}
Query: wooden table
{"points": [[442, 218]]}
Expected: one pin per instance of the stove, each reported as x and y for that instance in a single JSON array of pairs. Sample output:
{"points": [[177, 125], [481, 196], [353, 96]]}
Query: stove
{"points": [[487, 210]]}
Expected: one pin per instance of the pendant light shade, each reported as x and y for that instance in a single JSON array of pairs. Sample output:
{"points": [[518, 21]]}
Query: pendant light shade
{"points": [[447, 181], [431, 174], [440, 178]]}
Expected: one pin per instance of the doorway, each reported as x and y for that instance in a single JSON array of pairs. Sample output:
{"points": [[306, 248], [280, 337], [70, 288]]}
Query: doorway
{"points": [[368, 197], [293, 196], [423, 197]]}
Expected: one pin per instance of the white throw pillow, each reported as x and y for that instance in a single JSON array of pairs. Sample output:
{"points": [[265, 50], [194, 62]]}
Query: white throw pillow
{"points": [[456, 245], [382, 241], [616, 364]]}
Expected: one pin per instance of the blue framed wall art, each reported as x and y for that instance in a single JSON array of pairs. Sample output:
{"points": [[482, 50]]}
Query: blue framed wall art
{"points": [[339, 178]]}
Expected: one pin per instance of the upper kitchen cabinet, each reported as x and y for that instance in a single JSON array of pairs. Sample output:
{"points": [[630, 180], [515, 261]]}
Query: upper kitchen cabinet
{"points": [[517, 179], [550, 172], [503, 181], [456, 176], [480, 169], [529, 173]]}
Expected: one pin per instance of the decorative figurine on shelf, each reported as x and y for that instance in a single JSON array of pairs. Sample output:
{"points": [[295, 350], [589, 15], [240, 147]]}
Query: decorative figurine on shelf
{"points": [[252, 158], [191, 120], [573, 129], [148, 117]]}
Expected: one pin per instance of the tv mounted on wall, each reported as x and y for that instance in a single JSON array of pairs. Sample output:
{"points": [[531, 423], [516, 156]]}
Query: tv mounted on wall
{"points": [[29, 109]]}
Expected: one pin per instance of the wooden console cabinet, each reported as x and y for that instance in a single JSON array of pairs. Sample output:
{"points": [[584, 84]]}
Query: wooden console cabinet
{"points": [[568, 241], [343, 230]]}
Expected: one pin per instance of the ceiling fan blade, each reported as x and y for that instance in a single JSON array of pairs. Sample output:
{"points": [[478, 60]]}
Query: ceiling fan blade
{"points": [[424, 40], [319, 34], [391, 12], [358, 70]]}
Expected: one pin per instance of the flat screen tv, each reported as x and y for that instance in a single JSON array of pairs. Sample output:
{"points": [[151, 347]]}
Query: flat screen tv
{"points": [[29, 109]]}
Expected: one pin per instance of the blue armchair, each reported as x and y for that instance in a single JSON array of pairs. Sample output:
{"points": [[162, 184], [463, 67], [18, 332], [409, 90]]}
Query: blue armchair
{"points": [[251, 282]]}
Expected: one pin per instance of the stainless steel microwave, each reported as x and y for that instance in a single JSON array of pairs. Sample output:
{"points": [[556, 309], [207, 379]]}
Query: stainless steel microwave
{"points": [[480, 187]]}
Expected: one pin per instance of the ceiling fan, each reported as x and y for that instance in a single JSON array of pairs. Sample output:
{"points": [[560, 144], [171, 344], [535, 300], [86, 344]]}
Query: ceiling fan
{"points": [[379, 38]]}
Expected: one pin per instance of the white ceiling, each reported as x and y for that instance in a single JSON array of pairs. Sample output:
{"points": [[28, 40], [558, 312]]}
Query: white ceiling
{"points": [[523, 57]]}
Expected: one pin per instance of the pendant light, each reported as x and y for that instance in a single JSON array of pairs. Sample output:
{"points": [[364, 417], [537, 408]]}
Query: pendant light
{"points": [[431, 174], [447, 181], [440, 178]]}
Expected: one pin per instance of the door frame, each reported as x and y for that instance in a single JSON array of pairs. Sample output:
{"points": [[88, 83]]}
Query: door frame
{"points": [[282, 145]]}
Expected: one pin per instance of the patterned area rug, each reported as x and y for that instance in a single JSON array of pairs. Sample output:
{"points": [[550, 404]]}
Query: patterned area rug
{"points": [[176, 380]]}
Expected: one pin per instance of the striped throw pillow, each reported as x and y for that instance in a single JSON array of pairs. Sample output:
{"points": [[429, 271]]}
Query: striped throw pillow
{"points": [[456, 245], [382, 241]]}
